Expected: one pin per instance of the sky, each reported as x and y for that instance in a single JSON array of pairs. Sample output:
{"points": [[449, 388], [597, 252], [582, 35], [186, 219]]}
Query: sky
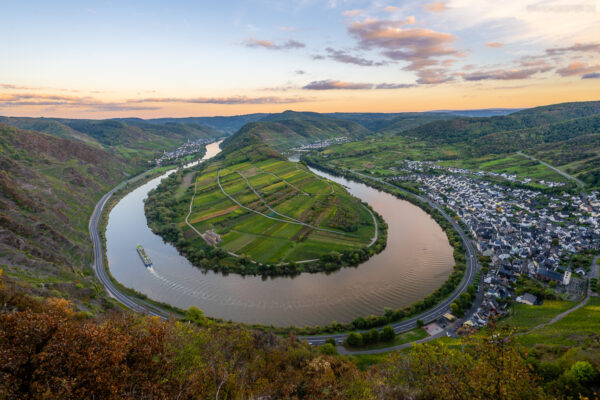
{"points": [[105, 59]]}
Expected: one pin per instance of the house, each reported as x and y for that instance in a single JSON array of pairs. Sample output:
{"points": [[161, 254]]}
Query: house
{"points": [[527, 298]]}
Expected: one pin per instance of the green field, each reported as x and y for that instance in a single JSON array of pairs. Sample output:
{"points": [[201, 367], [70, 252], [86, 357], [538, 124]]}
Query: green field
{"points": [[277, 211], [524, 316]]}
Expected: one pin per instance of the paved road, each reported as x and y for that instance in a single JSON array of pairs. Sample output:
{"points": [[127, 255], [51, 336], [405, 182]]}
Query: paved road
{"points": [[134, 304], [580, 183], [432, 314]]}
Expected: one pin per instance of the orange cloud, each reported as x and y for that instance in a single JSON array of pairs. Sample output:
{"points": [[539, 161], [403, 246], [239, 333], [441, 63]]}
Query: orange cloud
{"points": [[352, 13], [577, 68], [437, 6], [494, 45]]}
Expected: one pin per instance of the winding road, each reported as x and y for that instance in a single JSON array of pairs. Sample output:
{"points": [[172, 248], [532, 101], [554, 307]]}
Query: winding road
{"points": [[134, 304], [430, 315], [144, 307]]}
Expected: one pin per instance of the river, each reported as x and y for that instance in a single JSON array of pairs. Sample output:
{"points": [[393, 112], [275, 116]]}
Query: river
{"points": [[417, 260]]}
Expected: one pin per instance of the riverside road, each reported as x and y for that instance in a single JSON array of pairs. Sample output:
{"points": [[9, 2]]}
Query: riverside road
{"points": [[432, 314], [144, 307]]}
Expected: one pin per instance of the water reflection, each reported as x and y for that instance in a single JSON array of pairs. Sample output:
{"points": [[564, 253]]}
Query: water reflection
{"points": [[417, 261]]}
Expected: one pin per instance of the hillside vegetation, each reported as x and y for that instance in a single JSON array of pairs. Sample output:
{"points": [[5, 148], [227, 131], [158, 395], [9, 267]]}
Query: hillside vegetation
{"points": [[48, 188], [292, 129], [133, 139]]}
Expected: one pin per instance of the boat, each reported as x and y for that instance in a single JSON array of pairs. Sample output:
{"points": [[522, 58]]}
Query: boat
{"points": [[145, 259]]}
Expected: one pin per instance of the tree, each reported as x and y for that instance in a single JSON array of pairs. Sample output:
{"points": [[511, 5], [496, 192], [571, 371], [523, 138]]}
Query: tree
{"points": [[487, 366], [374, 334], [420, 323], [354, 339], [195, 315], [328, 349], [387, 333]]}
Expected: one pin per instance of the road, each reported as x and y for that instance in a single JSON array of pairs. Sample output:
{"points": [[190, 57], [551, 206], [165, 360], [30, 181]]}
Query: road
{"points": [[580, 183], [141, 306], [134, 304], [430, 315]]}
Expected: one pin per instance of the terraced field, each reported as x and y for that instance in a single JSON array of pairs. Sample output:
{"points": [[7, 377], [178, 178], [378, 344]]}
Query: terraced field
{"points": [[277, 211]]}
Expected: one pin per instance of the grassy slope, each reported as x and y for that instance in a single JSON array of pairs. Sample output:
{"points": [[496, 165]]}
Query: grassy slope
{"points": [[49, 188], [292, 192], [291, 129]]}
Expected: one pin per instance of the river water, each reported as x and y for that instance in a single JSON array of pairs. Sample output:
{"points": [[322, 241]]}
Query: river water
{"points": [[417, 260]]}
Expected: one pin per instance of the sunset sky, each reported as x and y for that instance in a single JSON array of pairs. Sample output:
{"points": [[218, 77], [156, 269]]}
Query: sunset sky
{"points": [[102, 59]]}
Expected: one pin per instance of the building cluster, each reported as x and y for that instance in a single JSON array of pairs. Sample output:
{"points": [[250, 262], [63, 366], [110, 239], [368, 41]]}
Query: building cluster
{"points": [[189, 147], [522, 232], [423, 166], [322, 143]]}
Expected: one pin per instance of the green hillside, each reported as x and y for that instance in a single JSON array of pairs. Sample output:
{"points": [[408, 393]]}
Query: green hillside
{"points": [[135, 139], [292, 129]]}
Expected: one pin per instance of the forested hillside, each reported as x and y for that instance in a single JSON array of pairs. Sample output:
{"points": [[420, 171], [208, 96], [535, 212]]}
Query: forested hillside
{"points": [[564, 135], [291, 129], [134, 139]]}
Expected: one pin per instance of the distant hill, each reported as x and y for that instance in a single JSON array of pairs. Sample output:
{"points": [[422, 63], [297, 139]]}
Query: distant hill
{"points": [[133, 136], [485, 112], [470, 130], [392, 122], [223, 124], [291, 129], [566, 135]]}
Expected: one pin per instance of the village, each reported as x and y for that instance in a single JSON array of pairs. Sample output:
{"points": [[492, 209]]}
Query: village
{"points": [[189, 147], [519, 233], [321, 144]]}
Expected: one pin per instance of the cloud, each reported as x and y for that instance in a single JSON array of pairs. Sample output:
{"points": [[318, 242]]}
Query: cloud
{"points": [[267, 44], [352, 13], [504, 74], [391, 9], [494, 45], [394, 85], [287, 28], [300, 72], [594, 75], [418, 46], [577, 68], [222, 100], [90, 104], [578, 47], [8, 86], [431, 76], [437, 6], [341, 85], [344, 57], [87, 103], [334, 85]]}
